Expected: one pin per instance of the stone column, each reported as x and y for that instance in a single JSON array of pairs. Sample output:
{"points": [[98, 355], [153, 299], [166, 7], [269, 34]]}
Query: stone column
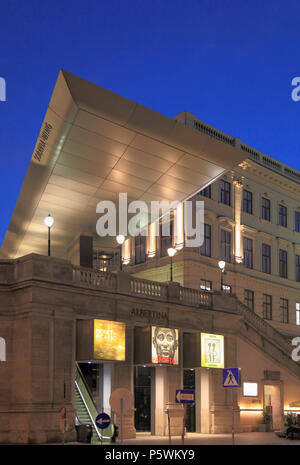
{"points": [[238, 246], [123, 378], [221, 405], [159, 385]]}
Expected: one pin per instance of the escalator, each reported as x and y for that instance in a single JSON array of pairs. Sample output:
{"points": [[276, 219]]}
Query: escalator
{"points": [[87, 411]]}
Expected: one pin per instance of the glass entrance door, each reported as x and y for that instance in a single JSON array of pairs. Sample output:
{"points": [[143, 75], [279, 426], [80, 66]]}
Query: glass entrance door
{"points": [[142, 395], [189, 383]]}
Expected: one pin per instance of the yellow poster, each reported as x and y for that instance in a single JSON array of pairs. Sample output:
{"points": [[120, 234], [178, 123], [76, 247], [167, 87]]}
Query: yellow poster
{"points": [[109, 340], [212, 350]]}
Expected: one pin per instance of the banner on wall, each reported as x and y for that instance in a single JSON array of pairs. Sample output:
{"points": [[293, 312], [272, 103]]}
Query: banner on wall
{"points": [[212, 350], [164, 345], [100, 340], [109, 340]]}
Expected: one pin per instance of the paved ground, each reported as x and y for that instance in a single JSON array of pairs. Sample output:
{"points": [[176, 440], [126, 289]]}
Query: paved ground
{"points": [[213, 439], [209, 439]]}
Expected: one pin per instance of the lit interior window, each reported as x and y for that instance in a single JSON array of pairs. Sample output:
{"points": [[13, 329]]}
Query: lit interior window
{"points": [[250, 389]]}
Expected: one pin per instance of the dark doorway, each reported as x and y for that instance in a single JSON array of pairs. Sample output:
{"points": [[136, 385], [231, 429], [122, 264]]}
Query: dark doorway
{"points": [[189, 383], [142, 396]]}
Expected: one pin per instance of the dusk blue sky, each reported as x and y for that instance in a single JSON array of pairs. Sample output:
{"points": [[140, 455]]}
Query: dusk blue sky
{"points": [[230, 63]]}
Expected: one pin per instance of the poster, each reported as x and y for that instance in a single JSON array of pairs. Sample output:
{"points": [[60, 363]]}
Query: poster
{"points": [[164, 345]]}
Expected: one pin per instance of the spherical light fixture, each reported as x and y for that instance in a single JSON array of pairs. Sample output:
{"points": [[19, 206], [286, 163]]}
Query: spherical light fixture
{"points": [[120, 239], [49, 220], [222, 264]]}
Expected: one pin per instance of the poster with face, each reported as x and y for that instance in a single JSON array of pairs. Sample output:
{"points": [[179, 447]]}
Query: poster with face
{"points": [[164, 345], [212, 350], [109, 340]]}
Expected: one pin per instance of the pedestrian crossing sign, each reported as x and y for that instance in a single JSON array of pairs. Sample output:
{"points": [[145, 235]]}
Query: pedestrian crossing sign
{"points": [[231, 377]]}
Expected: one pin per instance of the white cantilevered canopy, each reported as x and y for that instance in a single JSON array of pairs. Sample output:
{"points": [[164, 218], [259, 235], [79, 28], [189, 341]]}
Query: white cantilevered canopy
{"points": [[94, 144]]}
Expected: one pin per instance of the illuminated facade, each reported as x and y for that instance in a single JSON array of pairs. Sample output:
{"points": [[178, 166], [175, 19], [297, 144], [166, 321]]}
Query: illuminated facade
{"points": [[66, 317]]}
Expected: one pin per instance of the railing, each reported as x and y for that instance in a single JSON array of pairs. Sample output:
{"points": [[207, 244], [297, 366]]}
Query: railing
{"points": [[144, 287], [126, 284], [94, 279], [264, 327], [268, 162], [194, 297]]}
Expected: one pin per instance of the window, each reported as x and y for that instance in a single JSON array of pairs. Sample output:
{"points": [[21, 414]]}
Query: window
{"points": [[282, 263], [247, 201], [225, 192], [250, 389], [205, 248], [267, 307], [225, 245], [282, 216], [249, 299], [265, 209], [297, 221], [298, 314], [205, 285], [206, 192], [266, 258], [284, 311], [226, 288], [248, 252], [298, 268], [166, 241], [140, 249]]}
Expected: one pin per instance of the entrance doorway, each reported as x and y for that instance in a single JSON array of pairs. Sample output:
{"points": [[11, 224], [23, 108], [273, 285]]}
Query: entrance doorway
{"points": [[142, 396], [189, 383], [272, 404]]}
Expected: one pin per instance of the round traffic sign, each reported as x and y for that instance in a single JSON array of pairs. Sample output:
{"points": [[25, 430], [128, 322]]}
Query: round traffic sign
{"points": [[103, 420]]}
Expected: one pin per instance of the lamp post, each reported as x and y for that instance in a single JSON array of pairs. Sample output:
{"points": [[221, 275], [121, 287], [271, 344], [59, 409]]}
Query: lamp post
{"points": [[120, 240], [49, 223], [171, 253], [222, 268]]}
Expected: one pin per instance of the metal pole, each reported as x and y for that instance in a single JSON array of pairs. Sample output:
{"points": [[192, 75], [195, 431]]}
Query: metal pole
{"points": [[48, 242], [169, 427], [171, 268], [121, 264], [121, 421], [221, 280], [183, 424], [232, 416]]}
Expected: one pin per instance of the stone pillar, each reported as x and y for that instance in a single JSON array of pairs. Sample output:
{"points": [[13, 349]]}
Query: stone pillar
{"points": [[221, 405], [159, 385], [151, 241], [205, 400], [123, 378], [80, 251], [238, 246]]}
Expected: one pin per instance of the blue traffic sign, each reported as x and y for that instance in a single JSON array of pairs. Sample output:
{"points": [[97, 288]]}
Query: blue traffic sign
{"points": [[231, 377], [103, 420], [185, 396]]}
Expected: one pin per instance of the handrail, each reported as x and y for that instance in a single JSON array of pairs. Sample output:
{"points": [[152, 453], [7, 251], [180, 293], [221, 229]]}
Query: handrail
{"points": [[89, 413], [81, 377]]}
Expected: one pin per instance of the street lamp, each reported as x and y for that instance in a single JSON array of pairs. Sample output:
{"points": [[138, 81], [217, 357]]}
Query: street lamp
{"points": [[171, 253], [120, 240], [222, 268], [49, 223]]}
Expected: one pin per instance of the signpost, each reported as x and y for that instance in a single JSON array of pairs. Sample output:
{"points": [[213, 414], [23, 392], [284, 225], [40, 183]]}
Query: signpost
{"points": [[232, 379], [103, 420], [121, 401], [184, 396]]}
